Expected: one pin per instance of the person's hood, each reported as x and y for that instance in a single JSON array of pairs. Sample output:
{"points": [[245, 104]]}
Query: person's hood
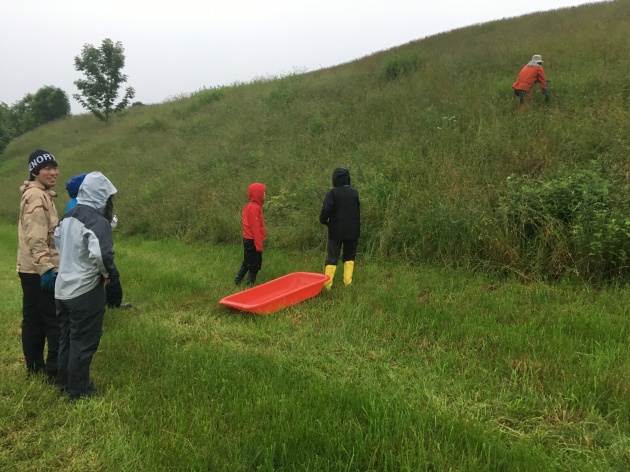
{"points": [[256, 193], [95, 190], [32, 183], [341, 177], [72, 186]]}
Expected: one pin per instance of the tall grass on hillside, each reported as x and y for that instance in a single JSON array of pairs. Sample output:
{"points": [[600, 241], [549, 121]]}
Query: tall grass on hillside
{"points": [[430, 133], [412, 368]]}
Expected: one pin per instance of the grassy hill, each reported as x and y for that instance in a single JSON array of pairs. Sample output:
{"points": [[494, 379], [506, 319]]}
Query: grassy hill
{"points": [[448, 172]]}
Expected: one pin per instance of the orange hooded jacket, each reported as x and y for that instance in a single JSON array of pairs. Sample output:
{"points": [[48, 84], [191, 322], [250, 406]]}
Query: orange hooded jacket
{"points": [[529, 75], [253, 221]]}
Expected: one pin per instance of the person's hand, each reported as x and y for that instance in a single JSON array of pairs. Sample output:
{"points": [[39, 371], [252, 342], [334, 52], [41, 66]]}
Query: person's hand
{"points": [[47, 280], [114, 291], [105, 282]]}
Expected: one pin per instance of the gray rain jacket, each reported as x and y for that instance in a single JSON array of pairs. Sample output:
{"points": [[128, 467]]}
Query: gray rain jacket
{"points": [[84, 240]]}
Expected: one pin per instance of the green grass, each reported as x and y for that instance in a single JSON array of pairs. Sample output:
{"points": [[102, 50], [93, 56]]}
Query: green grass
{"points": [[412, 368]]}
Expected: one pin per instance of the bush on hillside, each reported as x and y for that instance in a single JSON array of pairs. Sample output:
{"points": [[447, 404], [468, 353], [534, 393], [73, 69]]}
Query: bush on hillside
{"points": [[401, 65], [281, 97], [578, 222]]}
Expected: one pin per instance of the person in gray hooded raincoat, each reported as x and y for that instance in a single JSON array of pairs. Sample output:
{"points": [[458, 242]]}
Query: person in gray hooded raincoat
{"points": [[83, 239]]}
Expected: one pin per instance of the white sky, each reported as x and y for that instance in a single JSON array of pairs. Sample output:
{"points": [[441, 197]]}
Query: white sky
{"points": [[180, 46]]}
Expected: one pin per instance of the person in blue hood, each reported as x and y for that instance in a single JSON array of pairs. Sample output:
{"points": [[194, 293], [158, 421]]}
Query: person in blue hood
{"points": [[341, 212], [86, 265], [72, 187]]}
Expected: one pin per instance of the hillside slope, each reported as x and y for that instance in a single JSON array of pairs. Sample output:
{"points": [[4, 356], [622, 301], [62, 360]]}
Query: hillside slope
{"points": [[448, 172]]}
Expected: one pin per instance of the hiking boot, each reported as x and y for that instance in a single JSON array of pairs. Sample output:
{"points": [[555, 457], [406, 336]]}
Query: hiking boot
{"points": [[34, 370], [86, 395], [239, 275], [90, 392], [50, 377], [251, 278]]}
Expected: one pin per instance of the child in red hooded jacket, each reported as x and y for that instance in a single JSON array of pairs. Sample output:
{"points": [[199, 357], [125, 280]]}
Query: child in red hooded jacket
{"points": [[253, 234]]}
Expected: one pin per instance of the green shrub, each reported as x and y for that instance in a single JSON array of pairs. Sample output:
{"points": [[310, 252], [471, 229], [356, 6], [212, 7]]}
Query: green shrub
{"points": [[401, 65], [199, 100], [281, 97], [582, 214], [317, 124], [151, 125], [206, 96]]}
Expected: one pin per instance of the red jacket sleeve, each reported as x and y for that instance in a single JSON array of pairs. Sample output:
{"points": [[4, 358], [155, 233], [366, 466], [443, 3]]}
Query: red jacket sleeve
{"points": [[542, 80], [256, 225]]}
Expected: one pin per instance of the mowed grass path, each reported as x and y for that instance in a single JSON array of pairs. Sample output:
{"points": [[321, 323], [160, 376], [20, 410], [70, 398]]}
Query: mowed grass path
{"points": [[412, 368]]}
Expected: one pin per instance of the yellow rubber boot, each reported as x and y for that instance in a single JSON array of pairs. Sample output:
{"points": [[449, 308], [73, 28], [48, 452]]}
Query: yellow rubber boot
{"points": [[329, 270], [348, 269]]}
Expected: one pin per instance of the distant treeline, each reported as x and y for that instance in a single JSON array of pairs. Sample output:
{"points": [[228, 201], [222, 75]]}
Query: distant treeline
{"points": [[45, 105]]}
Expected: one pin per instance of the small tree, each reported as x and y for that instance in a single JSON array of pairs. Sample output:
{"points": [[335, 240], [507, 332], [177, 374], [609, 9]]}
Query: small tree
{"points": [[103, 77], [47, 104], [22, 115], [50, 103]]}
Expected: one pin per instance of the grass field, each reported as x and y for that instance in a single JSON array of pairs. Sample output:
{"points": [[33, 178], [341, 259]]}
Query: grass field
{"points": [[411, 368]]}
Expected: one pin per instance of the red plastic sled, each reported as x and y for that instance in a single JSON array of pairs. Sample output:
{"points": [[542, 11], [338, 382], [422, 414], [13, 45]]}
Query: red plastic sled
{"points": [[278, 293]]}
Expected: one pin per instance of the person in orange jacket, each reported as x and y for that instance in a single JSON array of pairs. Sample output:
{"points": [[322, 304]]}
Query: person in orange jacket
{"points": [[254, 234], [531, 74]]}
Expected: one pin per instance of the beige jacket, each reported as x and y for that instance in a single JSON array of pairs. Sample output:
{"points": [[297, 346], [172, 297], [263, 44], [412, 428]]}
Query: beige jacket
{"points": [[36, 227]]}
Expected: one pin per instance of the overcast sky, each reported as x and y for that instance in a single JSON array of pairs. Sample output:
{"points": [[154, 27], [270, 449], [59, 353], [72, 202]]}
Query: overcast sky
{"points": [[178, 47]]}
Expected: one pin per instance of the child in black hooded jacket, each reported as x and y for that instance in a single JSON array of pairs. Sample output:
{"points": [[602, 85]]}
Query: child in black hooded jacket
{"points": [[341, 212]]}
